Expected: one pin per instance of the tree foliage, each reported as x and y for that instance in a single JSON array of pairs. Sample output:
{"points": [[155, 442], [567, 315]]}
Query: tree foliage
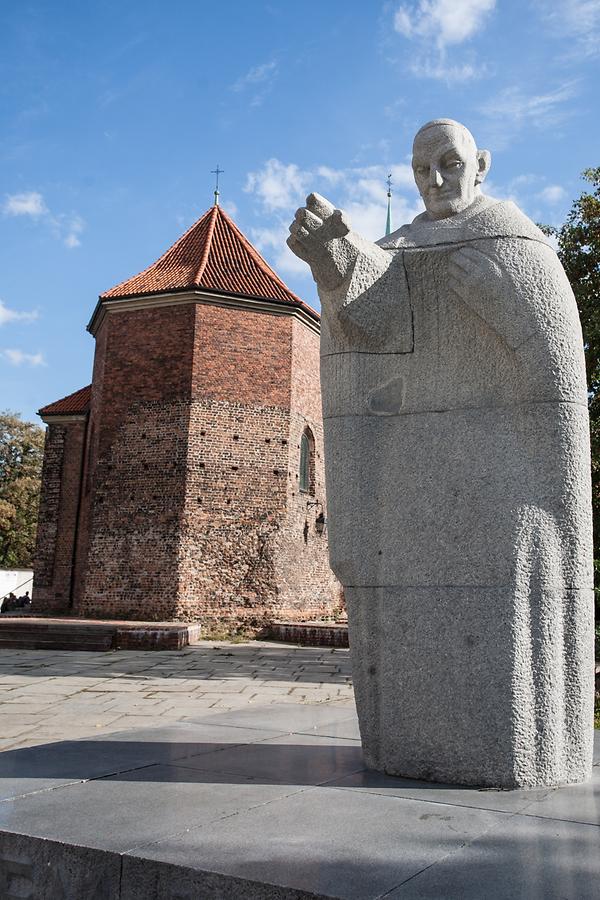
{"points": [[21, 455], [579, 251]]}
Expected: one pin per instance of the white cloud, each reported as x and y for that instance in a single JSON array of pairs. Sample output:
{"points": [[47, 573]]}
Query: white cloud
{"points": [[436, 25], [230, 207], [277, 184], [13, 315], [272, 243], [575, 19], [333, 176], [255, 75], [441, 71], [360, 190], [527, 191], [257, 82], [515, 106], [20, 357], [66, 227], [554, 193], [30, 203], [445, 21]]}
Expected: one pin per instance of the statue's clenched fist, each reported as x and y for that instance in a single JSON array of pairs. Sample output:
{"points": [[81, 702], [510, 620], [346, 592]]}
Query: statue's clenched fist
{"points": [[318, 235]]}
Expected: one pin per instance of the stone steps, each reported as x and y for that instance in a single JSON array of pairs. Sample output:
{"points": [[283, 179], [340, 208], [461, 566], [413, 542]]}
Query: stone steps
{"points": [[311, 634], [37, 633]]}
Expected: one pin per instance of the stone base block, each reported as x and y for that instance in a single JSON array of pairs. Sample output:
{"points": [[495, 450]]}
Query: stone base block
{"points": [[474, 685], [275, 803]]}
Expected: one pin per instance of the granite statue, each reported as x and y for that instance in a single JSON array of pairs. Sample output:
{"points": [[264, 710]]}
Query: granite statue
{"points": [[458, 480]]}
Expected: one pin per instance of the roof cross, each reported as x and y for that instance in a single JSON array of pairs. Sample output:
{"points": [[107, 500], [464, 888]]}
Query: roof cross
{"points": [[217, 172]]}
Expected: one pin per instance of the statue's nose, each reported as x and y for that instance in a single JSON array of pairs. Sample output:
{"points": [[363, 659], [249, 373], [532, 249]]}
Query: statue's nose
{"points": [[435, 178]]}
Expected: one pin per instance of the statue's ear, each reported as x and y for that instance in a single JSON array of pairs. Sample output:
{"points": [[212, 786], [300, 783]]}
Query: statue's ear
{"points": [[484, 161]]}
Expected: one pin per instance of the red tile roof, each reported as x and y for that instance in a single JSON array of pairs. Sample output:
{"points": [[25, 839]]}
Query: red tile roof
{"points": [[76, 403], [213, 256]]}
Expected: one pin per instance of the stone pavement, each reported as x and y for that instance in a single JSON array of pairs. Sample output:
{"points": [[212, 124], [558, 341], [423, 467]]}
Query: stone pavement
{"points": [[53, 695], [273, 802]]}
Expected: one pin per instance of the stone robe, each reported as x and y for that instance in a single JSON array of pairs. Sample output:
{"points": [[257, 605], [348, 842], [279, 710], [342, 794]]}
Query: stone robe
{"points": [[459, 503]]}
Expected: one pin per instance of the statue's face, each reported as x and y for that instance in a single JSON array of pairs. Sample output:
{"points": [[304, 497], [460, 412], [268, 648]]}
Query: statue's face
{"points": [[447, 169]]}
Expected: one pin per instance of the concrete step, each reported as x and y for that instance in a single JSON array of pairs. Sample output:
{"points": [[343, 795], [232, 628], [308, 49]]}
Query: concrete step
{"points": [[39, 633], [311, 634]]}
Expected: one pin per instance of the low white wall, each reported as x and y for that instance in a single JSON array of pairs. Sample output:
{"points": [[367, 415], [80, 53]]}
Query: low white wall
{"points": [[16, 580]]}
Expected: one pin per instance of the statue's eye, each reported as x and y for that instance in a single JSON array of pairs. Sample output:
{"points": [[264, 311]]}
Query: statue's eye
{"points": [[454, 164]]}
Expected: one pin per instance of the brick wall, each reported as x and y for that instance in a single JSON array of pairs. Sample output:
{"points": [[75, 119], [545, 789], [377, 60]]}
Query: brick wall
{"points": [[132, 562], [308, 586], [61, 479], [242, 356], [137, 460], [191, 507], [235, 504]]}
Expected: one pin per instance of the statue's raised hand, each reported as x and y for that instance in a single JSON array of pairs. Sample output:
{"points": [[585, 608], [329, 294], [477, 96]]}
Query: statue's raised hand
{"points": [[318, 235]]}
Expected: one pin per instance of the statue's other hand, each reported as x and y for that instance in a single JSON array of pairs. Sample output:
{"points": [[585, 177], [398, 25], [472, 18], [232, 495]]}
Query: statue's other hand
{"points": [[471, 271], [313, 233]]}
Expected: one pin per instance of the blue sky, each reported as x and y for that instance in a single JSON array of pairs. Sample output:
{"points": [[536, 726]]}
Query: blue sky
{"points": [[113, 114]]}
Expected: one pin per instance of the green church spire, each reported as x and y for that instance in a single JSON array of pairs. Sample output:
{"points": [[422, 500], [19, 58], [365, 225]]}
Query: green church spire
{"points": [[388, 223]]}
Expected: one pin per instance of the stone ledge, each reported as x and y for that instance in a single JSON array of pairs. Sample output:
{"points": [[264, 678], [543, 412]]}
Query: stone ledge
{"points": [[312, 634], [30, 632], [274, 803]]}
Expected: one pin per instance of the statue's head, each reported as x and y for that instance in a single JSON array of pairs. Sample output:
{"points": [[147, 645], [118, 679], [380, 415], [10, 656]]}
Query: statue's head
{"points": [[448, 167]]}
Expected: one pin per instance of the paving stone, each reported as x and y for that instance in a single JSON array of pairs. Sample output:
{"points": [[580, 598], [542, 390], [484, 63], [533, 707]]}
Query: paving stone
{"points": [[320, 841], [138, 807], [523, 858], [173, 686]]}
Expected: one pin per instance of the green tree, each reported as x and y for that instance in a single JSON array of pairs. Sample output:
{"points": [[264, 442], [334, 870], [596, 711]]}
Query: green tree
{"points": [[21, 455], [579, 252]]}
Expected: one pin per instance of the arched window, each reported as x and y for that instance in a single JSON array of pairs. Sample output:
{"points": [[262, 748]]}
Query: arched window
{"points": [[307, 465]]}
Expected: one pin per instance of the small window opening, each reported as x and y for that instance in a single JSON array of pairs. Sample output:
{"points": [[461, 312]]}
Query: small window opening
{"points": [[307, 462]]}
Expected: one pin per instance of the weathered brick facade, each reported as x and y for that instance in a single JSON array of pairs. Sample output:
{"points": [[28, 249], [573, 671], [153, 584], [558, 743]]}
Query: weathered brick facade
{"points": [[58, 512], [185, 502]]}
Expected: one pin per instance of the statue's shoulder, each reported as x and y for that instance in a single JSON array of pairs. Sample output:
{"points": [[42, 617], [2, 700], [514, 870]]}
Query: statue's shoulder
{"points": [[503, 218], [486, 218]]}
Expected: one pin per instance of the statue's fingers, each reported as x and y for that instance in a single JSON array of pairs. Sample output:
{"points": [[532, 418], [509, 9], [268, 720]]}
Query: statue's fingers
{"points": [[305, 237], [297, 248], [337, 225], [319, 206], [308, 220]]}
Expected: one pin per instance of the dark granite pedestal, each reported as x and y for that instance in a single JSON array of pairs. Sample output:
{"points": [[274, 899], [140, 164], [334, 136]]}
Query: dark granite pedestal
{"points": [[274, 802]]}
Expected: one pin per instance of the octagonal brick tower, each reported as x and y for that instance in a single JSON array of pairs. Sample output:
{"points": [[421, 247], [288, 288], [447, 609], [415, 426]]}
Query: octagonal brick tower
{"points": [[196, 474]]}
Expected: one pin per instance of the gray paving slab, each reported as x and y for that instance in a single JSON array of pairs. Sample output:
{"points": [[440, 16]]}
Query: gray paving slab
{"points": [[574, 803], [42, 767], [346, 728], [407, 788], [268, 801], [135, 808], [523, 858], [330, 843], [292, 718], [289, 759]]}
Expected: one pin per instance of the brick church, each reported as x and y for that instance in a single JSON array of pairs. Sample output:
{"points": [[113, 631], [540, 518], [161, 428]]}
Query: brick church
{"points": [[186, 482]]}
